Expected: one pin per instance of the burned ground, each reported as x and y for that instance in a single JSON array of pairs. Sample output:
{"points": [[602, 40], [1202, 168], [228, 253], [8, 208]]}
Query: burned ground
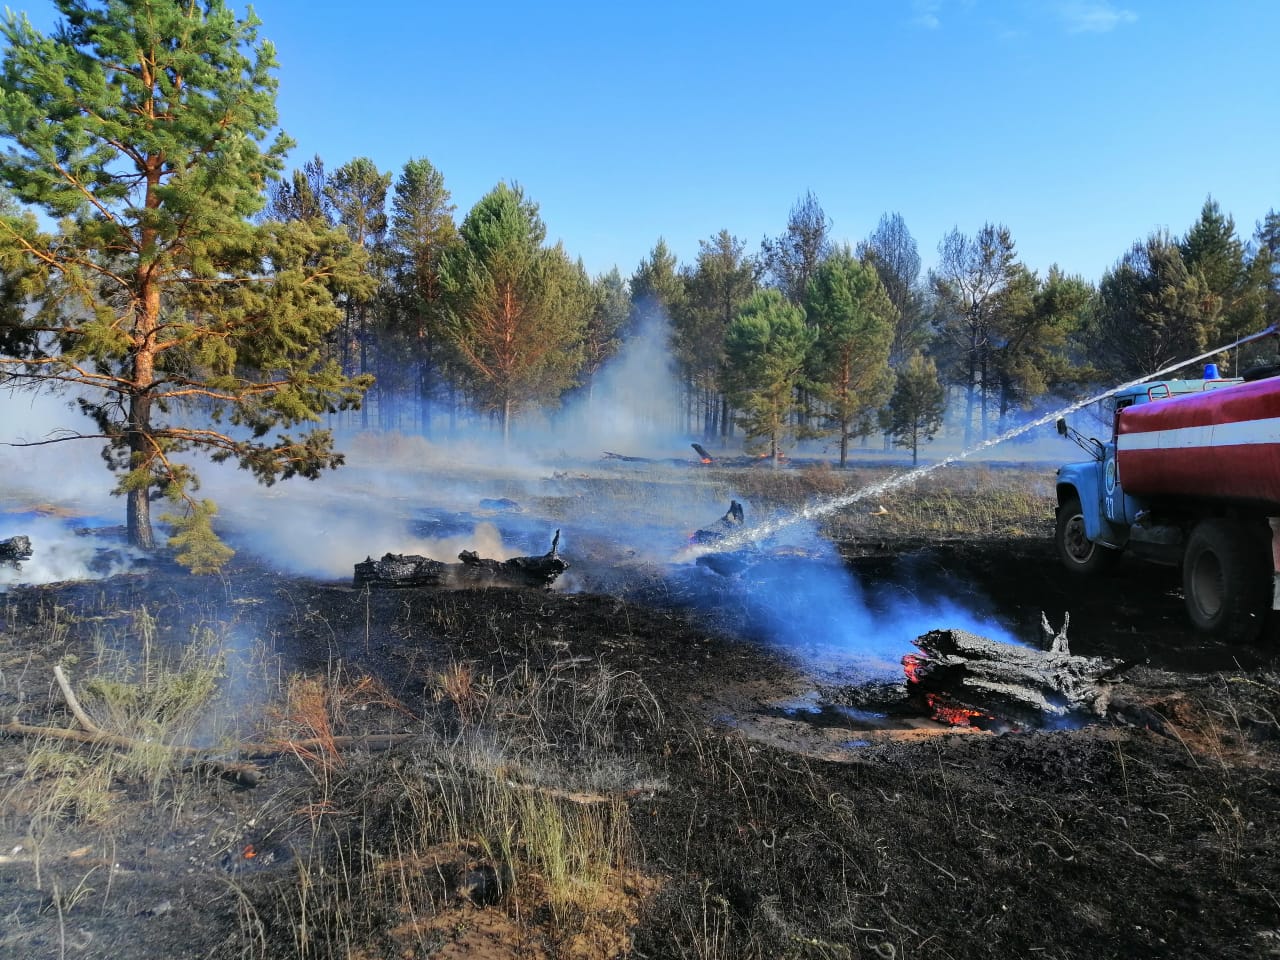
{"points": [[756, 810]]}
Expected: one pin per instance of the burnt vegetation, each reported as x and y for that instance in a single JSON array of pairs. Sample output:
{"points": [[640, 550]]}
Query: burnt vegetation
{"points": [[678, 737], [624, 772]]}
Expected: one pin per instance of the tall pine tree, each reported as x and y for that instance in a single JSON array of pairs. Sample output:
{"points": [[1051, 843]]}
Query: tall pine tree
{"points": [[517, 310], [765, 352], [143, 129], [854, 320]]}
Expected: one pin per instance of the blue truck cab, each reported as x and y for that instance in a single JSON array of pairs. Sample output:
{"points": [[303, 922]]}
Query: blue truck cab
{"points": [[1098, 516]]}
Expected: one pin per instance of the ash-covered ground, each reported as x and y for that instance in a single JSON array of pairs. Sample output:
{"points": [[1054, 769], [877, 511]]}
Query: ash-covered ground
{"points": [[743, 737]]}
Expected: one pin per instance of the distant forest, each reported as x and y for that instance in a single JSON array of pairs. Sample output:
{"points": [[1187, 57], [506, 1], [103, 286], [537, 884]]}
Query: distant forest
{"points": [[797, 338], [163, 268]]}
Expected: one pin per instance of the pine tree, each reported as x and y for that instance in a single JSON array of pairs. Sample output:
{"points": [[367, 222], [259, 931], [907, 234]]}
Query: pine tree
{"points": [[357, 194], [893, 252], [765, 353], [917, 405], [1152, 310], [971, 276], [610, 307], [516, 310], [790, 259], [142, 128], [422, 230], [1266, 264], [1214, 253], [1037, 324], [721, 281], [854, 320]]}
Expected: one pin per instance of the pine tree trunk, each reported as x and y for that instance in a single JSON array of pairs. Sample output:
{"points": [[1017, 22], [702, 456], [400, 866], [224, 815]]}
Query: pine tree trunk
{"points": [[138, 503], [985, 399], [425, 386], [364, 361]]}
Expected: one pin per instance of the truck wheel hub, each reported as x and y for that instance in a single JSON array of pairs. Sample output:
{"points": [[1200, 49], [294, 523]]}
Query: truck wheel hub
{"points": [[1078, 545]]}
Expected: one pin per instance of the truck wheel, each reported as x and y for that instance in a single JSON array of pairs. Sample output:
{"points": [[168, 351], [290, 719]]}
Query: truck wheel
{"points": [[1077, 552], [1226, 579]]}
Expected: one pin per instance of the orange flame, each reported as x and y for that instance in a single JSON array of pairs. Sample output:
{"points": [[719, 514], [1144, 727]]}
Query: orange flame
{"points": [[913, 665], [250, 852], [944, 712]]}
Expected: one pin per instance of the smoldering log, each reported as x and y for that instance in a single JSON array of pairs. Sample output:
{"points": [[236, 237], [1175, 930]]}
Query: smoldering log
{"points": [[731, 522], [14, 550], [962, 671], [409, 570]]}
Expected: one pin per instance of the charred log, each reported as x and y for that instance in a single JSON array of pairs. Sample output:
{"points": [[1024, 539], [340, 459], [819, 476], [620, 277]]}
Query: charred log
{"points": [[966, 678], [408, 570], [14, 550], [702, 453], [401, 570], [610, 455], [731, 522]]}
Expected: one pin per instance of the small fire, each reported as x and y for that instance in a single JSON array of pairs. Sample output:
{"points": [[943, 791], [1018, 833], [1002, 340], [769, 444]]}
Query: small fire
{"points": [[706, 460], [947, 713], [250, 851], [913, 664]]}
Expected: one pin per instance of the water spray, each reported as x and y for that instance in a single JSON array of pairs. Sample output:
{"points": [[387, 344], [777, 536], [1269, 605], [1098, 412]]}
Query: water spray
{"points": [[823, 508]]}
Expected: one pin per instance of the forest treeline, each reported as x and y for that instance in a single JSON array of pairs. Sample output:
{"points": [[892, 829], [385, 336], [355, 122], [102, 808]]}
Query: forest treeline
{"points": [[164, 270], [798, 337]]}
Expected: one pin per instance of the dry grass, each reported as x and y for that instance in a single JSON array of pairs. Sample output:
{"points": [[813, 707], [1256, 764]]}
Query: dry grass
{"points": [[956, 501], [490, 814], [157, 698]]}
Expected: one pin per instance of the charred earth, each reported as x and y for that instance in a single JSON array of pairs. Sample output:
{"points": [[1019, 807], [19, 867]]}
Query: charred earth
{"points": [[742, 799]]}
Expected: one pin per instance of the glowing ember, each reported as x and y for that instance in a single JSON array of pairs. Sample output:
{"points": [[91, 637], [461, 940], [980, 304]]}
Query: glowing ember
{"points": [[250, 852], [912, 665], [947, 713]]}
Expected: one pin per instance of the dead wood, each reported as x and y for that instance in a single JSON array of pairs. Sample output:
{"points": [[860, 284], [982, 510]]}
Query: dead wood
{"points": [[72, 700], [396, 570], [196, 759], [731, 522], [14, 550], [967, 672]]}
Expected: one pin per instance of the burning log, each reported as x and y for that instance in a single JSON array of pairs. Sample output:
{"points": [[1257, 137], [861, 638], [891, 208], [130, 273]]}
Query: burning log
{"points": [[701, 451], [966, 679], [14, 550], [401, 570]]}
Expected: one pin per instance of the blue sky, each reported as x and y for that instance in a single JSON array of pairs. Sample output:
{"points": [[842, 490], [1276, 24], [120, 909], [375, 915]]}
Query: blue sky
{"points": [[1081, 124]]}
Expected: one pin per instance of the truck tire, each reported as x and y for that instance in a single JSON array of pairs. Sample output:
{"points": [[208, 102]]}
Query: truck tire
{"points": [[1078, 553], [1226, 579]]}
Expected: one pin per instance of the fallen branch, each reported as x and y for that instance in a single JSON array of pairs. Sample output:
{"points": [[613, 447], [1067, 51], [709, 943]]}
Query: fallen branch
{"points": [[198, 759], [72, 702]]}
